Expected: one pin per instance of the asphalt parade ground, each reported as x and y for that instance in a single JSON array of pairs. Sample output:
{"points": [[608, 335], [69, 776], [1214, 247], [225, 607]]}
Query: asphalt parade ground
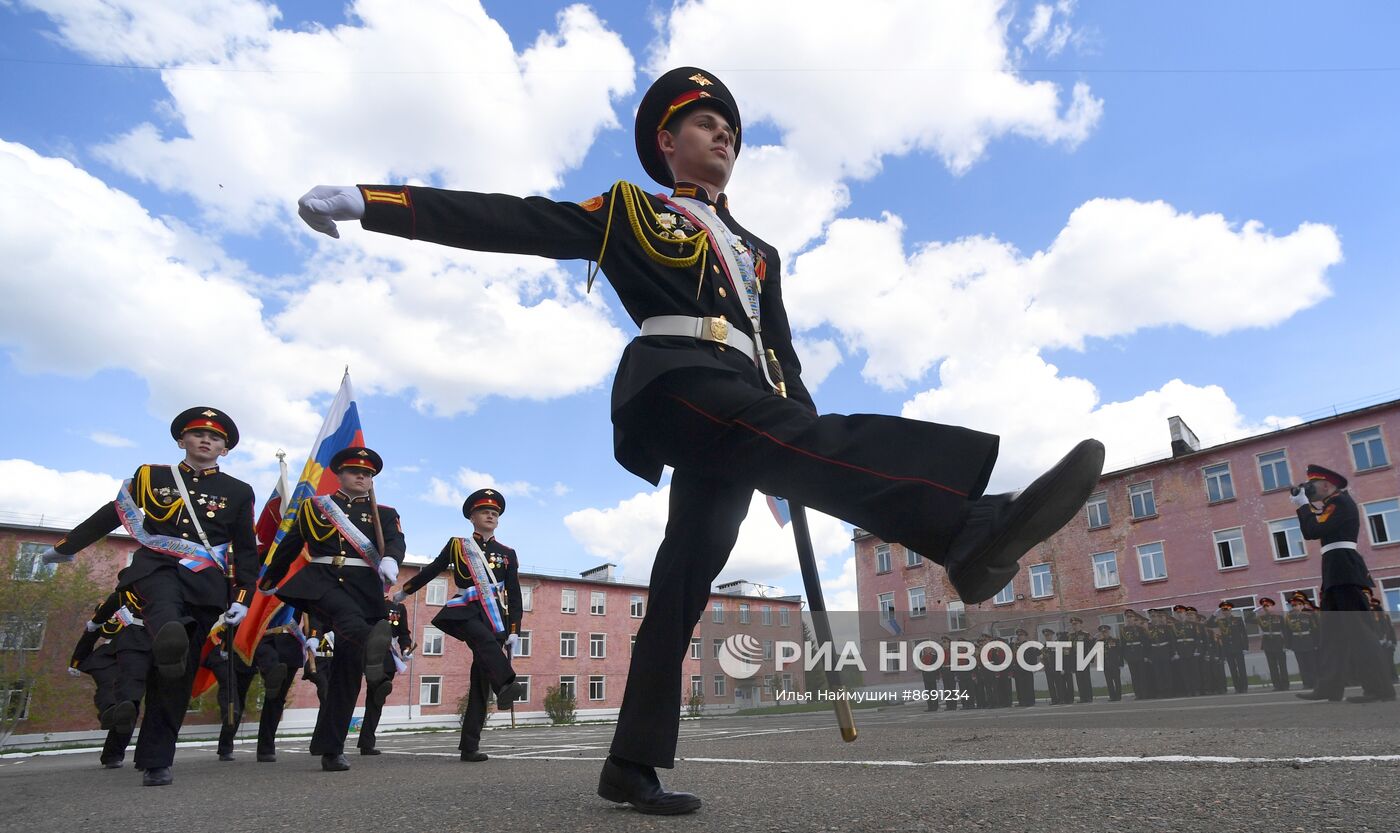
{"points": [[1256, 761]]}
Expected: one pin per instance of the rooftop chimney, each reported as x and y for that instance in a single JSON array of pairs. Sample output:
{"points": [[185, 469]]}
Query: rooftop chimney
{"points": [[600, 573], [1183, 438]]}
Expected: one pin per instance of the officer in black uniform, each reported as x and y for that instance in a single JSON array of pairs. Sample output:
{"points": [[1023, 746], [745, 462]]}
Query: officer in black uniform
{"points": [[341, 585], [1163, 635], [282, 650], [1054, 677], [952, 681], [118, 668], [1083, 677], [1300, 638], [464, 618], [1136, 645], [397, 615], [930, 680], [1023, 677], [233, 694], [180, 596], [1112, 663], [1185, 662], [701, 391], [1234, 641], [1271, 643], [1327, 512]]}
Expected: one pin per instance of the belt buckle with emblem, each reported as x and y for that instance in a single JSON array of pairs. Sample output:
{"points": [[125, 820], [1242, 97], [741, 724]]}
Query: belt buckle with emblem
{"points": [[719, 329]]}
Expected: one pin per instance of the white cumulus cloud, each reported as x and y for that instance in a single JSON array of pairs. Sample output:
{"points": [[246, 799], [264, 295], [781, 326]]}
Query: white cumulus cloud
{"points": [[58, 497]]}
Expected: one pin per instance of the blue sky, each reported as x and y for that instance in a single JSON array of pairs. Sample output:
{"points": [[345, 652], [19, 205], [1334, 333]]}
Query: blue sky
{"points": [[1044, 220]]}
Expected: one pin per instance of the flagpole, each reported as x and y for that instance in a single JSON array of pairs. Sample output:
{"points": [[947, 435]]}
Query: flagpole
{"points": [[812, 583]]}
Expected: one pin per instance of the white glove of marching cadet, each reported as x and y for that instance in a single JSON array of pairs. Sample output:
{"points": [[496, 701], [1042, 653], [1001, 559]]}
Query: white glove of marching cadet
{"points": [[73, 672], [235, 614], [1300, 498], [91, 626], [313, 645], [53, 556], [323, 205], [512, 642], [399, 596], [389, 569]]}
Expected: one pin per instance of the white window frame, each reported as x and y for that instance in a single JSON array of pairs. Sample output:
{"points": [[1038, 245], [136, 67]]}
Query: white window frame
{"points": [[637, 606], [1379, 438], [957, 616], [1135, 490], [568, 641], [568, 685], [597, 646], [1005, 595], [767, 649], [783, 621], [597, 603], [16, 633], [719, 685], [1291, 532], [522, 649], [1260, 464], [912, 558], [1162, 549], [1049, 575], [765, 614], [1102, 577], [882, 559], [568, 600], [1224, 482], [1389, 519], [1101, 518], [697, 685], [715, 646], [524, 681], [1224, 536], [436, 595], [432, 637], [527, 597], [597, 688], [918, 601], [697, 647], [717, 613], [430, 690], [29, 566], [743, 613], [885, 604]]}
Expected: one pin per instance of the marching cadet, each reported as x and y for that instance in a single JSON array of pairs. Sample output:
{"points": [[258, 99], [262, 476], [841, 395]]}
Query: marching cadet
{"points": [[486, 614], [1212, 657], [1112, 663], [1234, 641], [1163, 648], [713, 388], [233, 694], [953, 681], [400, 648], [1271, 643], [1300, 638], [354, 547], [1023, 677], [983, 679], [1136, 645], [118, 668], [1185, 661], [1083, 679], [1385, 627], [283, 649], [195, 527], [1055, 677]]}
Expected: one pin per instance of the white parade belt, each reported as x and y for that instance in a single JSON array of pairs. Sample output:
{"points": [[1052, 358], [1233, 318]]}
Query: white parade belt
{"points": [[1339, 545], [341, 560], [717, 330]]}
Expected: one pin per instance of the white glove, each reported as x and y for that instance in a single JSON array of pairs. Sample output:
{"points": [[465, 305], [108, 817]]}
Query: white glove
{"points": [[329, 639], [323, 205], [1300, 499], [236, 612], [91, 626], [512, 642], [313, 645], [53, 556], [73, 672], [399, 596], [389, 569]]}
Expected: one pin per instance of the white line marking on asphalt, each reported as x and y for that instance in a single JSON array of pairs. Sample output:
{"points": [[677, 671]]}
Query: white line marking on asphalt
{"points": [[1106, 759]]}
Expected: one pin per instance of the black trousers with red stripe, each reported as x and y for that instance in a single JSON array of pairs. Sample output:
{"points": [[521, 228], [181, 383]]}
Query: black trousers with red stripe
{"points": [[903, 480]]}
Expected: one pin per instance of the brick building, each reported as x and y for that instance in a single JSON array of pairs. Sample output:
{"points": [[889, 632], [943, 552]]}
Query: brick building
{"points": [[1203, 525]]}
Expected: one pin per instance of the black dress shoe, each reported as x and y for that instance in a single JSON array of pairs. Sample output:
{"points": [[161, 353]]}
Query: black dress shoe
{"points": [[112, 763], [160, 776], [508, 695], [999, 529], [334, 763], [225, 756], [370, 751], [1313, 695], [376, 648], [267, 757], [475, 757], [625, 782], [171, 649]]}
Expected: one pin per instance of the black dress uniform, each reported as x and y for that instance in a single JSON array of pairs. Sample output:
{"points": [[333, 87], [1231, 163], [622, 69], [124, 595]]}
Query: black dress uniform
{"points": [[1300, 637], [1136, 645], [951, 680], [118, 669], [1163, 647], [169, 594], [1271, 643], [491, 667], [1083, 677], [345, 590], [397, 616], [233, 693], [1112, 663], [1185, 658], [1346, 645], [1023, 678], [278, 656], [1234, 641]]}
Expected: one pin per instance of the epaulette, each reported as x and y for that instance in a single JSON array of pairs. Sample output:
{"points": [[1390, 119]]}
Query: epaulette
{"points": [[649, 229]]}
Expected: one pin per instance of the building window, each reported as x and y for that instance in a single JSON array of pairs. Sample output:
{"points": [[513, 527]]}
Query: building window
{"points": [[524, 681], [1105, 569], [527, 597], [568, 687], [767, 649], [1005, 595], [1390, 590], [765, 615], [437, 592], [29, 566], [957, 616], [782, 617], [696, 647], [523, 649], [1219, 485], [596, 688], [882, 558], [638, 608], [743, 613], [912, 558], [597, 603], [718, 616], [1367, 450], [1143, 500], [885, 603], [568, 644], [430, 691], [19, 634], [1273, 471], [918, 601], [715, 646], [1383, 520], [568, 600], [719, 685], [432, 642], [1097, 509], [1152, 561], [1244, 611], [697, 685], [787, 682], [1309, 593], [597, 645], [1114, 621], [1229, 548], [1042, 583], [1287, 539], [14, 703]]}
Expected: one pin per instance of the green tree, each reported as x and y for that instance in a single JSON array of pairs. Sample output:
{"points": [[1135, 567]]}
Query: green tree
{"points": [[559, 705]]}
